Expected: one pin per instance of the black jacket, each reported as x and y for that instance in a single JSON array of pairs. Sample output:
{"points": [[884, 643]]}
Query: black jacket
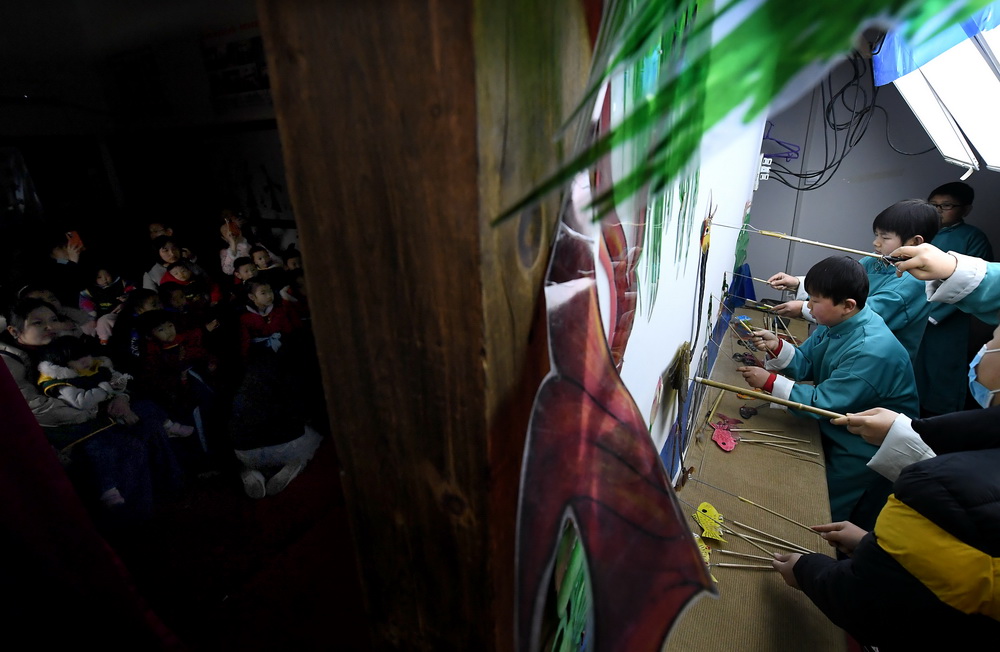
{"points": [[924, 577]]}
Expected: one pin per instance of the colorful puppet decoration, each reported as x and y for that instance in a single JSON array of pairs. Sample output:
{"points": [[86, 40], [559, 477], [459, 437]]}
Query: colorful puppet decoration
{"points": [[706, 553], [724, 439], [710, 521], [589, 460]]}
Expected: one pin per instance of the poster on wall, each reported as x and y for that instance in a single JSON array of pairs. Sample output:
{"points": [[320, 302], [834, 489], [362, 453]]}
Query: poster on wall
{"points": [[237, 68]]}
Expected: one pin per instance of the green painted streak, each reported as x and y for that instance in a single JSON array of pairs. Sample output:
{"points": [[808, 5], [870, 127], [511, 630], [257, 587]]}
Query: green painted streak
{"points": [[744, 71]]}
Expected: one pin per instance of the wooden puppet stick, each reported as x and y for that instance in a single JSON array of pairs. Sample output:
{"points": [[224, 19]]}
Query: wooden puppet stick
{"points": [[773, 544], [766, 534], [715, 406], [782, 516], [769, 433], [767, 397], [741, 554], [750, 502], [754, 278], [774, 445], [771, 568], [785, 236]]}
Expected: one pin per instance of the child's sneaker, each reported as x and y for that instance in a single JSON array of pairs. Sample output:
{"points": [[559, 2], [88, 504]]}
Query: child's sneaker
{"points": [[175, 429], [281, 479], [112, 498], [253, 483]]}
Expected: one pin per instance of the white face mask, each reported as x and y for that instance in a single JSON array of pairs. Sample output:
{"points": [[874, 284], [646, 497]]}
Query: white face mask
{"points": [[980, 392]]}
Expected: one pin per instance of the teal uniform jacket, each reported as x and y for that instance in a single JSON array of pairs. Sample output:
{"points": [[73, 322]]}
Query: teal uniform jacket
{"points": [[856, 365], [942, 363], [900, 301]]}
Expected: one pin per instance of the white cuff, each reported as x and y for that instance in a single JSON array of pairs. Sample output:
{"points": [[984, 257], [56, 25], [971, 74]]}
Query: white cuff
{"points": [[932, 321], [806, 313], [800, 292], [782, 387], [967, 276], [783, 359], [902, 446]]}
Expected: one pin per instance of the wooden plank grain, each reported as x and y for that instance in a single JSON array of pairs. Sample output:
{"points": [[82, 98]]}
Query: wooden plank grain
{"points": [[405, 127]]}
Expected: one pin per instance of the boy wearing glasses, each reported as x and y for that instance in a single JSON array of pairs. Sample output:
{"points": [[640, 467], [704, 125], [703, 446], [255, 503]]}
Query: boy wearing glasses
{"points": [[942, 363]]}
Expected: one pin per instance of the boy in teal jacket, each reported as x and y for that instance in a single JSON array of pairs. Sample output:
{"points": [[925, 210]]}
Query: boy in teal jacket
{"points": [[855, 363], [941, 366], [900, 301]]}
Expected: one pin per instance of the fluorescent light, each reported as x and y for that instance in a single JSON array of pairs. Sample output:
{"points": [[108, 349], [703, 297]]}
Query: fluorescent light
{"points": [[935, 119], [967, 86]]}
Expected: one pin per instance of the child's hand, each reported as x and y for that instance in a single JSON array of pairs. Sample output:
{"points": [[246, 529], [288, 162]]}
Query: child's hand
{"points": [[842, 535], [765, 340], [873, 425], [783, 281], [755, 376], [73, 251], [784, 563], [925, 261], [788, 309], [119, 409]]}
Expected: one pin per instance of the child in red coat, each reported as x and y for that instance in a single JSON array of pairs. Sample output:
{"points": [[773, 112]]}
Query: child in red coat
{"points": [[264, 322]]}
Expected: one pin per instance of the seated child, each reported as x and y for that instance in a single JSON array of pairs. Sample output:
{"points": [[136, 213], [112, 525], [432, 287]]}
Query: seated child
{"points": [[264, 322], [295, 292], [70, 371], [125, 340], [293, 259], [268, 427], [900, 301], [237, 243], [243, 270], [103, 300], [175, 367], [198, 289], [855, 363], [925, 574], [72, 321], [262, 259]]}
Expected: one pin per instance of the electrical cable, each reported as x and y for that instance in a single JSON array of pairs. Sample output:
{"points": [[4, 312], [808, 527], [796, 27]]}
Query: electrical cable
{"points": [[841, 133]]}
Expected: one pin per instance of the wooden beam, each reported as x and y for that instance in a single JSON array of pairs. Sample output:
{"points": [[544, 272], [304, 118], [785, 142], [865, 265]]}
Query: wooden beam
{"points": [[406, 125]]}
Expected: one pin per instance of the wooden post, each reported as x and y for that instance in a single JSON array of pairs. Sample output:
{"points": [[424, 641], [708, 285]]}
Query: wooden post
{"points": [[406, 125]]}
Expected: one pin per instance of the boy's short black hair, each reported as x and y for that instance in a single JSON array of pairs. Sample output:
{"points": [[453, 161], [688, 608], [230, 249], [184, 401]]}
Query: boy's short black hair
{"points": [[241, 261], [152, 319], [909, 218], [257, 281], [963, 192], [256, 248], [838, 278], [62, 350]]}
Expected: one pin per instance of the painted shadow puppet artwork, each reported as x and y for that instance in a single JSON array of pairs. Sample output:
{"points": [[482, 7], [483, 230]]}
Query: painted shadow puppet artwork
{"points": [[605, 558], [590, 462]]}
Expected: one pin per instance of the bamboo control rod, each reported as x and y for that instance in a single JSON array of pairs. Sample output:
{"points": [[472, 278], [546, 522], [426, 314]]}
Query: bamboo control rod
{"points": [[767, 397]]}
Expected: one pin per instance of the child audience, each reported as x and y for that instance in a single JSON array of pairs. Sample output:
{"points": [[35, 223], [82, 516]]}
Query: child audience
{"points": [[103, 300], [194, 351], [270, 437]]}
